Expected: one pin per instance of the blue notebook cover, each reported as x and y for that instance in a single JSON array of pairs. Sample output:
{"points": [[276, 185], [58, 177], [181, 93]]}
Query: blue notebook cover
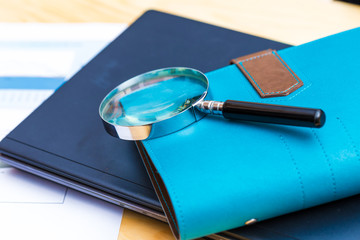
{"points": [[220, 174]]}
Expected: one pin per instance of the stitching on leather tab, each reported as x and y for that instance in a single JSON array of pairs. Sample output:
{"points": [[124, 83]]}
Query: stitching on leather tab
{"points": [[252, 78], [255, 57]]}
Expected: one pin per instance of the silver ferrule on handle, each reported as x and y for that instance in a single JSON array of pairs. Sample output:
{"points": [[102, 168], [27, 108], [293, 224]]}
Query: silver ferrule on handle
{"points": [[211, 107]]}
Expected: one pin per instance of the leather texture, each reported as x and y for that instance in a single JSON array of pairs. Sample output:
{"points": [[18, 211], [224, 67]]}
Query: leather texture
{"points": [[220, 173], [268, 73]]}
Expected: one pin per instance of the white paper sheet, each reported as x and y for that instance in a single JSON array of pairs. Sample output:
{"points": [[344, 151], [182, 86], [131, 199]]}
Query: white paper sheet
{"points": [[31, 207], [34, 208], [19, 187], [35, 62]]}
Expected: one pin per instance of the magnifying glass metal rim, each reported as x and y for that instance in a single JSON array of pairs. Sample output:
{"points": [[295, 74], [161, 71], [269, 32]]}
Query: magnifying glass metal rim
{"points": [[158, 128]]}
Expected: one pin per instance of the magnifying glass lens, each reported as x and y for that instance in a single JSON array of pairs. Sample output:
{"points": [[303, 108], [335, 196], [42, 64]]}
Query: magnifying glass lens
{"points": [[152, 100]]}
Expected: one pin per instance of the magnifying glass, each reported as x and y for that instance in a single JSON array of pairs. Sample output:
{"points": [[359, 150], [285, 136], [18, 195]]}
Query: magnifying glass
{"points": [[166, 100]]}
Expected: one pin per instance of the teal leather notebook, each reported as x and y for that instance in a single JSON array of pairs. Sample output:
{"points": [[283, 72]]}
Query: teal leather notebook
{"points": [[218, 174]]}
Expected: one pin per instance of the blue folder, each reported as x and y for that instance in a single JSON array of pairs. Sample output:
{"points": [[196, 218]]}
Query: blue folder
{"points": [[218, 174]]}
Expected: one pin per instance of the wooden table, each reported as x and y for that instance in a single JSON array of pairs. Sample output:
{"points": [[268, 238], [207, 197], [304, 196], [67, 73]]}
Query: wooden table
{"points": [[290, 21]]}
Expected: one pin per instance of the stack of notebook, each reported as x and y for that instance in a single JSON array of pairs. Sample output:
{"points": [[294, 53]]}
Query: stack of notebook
{"points": [[64, 139]]}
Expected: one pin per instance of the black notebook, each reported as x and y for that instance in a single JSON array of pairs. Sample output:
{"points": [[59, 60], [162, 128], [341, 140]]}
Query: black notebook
{"points": [[64, 139]]}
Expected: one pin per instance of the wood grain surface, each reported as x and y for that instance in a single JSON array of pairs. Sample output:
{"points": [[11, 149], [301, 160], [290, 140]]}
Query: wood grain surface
{"points": [[137, 226], [290, 21]]}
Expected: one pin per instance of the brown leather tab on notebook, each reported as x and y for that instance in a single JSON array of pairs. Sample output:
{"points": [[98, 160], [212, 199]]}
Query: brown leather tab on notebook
{"points": [[268, 73]]}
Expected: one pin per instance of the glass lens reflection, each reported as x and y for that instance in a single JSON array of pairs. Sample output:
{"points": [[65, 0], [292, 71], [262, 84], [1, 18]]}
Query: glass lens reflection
{"points": [[153, 100]]}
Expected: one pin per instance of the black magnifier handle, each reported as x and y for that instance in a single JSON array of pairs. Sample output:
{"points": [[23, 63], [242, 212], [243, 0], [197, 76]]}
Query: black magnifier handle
{"points": [[266, 113]]}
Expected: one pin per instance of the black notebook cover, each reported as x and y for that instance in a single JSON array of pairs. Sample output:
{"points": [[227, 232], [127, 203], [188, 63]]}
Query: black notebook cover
{"points": [[65, 137]]}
